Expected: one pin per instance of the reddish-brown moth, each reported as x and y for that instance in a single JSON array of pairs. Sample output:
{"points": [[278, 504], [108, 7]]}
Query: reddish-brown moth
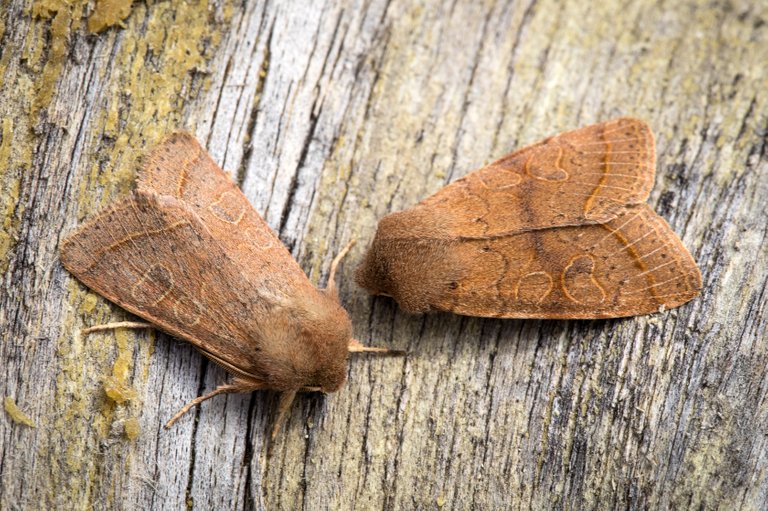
{"points": [[558, 229], [188, 253]]}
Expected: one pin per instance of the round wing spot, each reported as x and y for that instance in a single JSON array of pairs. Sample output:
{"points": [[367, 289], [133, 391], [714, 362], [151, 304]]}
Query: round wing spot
{"points": [[227, 208], [545, 163], [153, 286], [495, 177], [579, 283], [533, 287], [188, 313], [261, 239]]}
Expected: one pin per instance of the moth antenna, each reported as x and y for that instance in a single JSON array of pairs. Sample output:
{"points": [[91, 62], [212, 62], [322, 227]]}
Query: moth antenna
{"points": [[356, 346], [286, 399], [221, 389], [331, 286], [113, 326]]}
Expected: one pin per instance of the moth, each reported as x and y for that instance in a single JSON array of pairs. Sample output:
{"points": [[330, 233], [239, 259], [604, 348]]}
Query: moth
{"points": [[189, 254], [558, 229]]}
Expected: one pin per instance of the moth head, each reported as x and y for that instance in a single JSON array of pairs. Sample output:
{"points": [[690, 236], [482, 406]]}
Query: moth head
{"points": [[328, 333], [306, 349]]}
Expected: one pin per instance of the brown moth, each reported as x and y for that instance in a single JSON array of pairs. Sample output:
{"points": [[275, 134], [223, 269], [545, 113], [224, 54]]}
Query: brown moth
{"points": [[189, 254], [558, 229]]}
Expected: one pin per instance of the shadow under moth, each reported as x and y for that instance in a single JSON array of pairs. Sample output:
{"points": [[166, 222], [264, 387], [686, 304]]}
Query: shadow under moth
{"points": [[558, 230], [189, 254]]}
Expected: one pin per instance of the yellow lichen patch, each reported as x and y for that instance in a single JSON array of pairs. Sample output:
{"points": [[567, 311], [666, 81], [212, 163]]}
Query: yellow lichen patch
{"points": [[16, 414], [142, 95], [9, 194], [116, 386], [150, 82], [132, 428], [124, 362], [117, 391], [108, 13], [5, 145], [65, 16], [88, 305]]}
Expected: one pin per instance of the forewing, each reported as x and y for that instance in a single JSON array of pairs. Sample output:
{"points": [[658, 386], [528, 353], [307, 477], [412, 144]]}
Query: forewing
{"points": [[585, 176], [153, 256], [181, 168], [631, 265]]}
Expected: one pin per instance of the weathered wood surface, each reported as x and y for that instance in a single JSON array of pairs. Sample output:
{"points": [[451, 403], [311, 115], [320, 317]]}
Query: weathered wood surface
{"points": [[331, 114]]}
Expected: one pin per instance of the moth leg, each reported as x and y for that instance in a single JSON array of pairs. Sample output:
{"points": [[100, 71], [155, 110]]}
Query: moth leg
{"points": [[331, 287], [113, 326], [235, 386], [356, 346], [286, 400]]}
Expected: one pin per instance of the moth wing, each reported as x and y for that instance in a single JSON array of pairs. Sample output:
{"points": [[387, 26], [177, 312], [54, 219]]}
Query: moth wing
{"points": [[153, 256], [558, 229], [585, 176], [179, 167], [633, 264]]}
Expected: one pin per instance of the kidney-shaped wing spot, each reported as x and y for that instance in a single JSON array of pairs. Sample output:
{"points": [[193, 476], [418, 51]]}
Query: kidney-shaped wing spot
{"points": [[190, 313], [545, 162], [258, 239], [579, 283], [153, 286], [228, 208]]}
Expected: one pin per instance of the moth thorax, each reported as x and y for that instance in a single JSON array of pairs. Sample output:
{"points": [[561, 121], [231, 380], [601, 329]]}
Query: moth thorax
{"points": [[408, 270]]}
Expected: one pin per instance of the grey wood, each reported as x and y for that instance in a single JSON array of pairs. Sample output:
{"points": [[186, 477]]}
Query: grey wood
{"points": [[330, 115]]}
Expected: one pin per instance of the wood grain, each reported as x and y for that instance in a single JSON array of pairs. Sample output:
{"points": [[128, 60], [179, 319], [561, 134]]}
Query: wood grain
{"points": [[330, 115]]}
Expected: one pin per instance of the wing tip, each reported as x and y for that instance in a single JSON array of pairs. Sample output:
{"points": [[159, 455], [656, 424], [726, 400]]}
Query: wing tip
{"points": [[66, 252], [176, 149]]}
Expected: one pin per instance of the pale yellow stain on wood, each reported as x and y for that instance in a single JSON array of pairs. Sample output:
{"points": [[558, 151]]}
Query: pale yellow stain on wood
{"points": [[15, 413], [175, 34], [108, 13], [132, 428]]}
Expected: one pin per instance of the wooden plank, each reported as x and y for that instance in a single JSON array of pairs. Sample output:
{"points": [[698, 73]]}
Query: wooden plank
{"points": [[330, 115]]}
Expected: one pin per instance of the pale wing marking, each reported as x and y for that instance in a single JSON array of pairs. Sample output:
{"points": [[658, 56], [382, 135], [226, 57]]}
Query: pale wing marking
{"points": [[651, 270], [606, 142], [630, 244]]}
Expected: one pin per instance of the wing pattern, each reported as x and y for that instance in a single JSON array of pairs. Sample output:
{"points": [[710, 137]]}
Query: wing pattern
{"points": [[153, 256], [632, 265], [581, 177], [181, 168], [558, 229]]}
